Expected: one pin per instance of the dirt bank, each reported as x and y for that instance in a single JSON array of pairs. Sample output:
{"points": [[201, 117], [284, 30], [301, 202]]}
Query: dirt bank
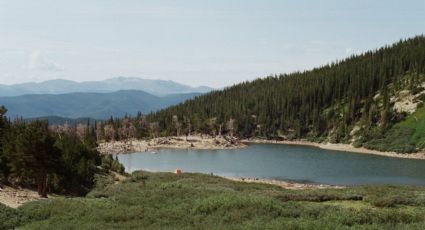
{"points": [[15, 197], [340, 147], [182, 142]]}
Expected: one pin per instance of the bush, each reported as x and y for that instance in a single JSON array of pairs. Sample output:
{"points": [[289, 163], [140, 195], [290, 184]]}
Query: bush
{"points": [[138, 176], [387, 201], [9, 217], [397, 139], [318, 197], [109, 163]]}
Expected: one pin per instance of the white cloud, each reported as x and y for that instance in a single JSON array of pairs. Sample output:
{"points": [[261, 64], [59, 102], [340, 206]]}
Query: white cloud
{"points": [[39, 61]]}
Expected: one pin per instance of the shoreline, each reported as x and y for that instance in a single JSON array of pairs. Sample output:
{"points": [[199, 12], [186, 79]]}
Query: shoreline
{"points": [[282, 183], [286, 184], [340, 147], [223, 142], [173, 142]]}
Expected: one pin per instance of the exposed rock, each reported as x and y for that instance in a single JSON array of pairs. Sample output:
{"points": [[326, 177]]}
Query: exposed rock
{"points": [[404, 101], [195, 142]]}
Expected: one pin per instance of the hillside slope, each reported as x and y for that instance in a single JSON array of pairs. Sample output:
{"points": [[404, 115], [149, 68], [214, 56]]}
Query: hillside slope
{"points": [[351, 101], [94, 105]]}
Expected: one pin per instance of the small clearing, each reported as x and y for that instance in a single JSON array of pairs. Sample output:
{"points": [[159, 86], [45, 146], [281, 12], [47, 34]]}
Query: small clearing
{"points": [[15, 197]]}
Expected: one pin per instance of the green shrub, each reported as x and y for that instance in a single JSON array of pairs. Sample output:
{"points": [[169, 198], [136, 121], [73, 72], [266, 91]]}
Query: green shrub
{"points": [[9, 217], [109, 163], [138, 176], [387, 201], [318, 197], [397, 139]]}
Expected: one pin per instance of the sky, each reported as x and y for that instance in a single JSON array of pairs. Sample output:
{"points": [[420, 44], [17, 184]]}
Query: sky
{"points": [[195, 42]]}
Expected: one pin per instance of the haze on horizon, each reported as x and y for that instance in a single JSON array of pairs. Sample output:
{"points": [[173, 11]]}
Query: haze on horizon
{"points": [[193, 42]]}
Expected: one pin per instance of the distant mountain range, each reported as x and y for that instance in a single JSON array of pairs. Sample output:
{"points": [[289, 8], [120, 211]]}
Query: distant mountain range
{"points": [[93, 105], [60, 86], [56, 120]]}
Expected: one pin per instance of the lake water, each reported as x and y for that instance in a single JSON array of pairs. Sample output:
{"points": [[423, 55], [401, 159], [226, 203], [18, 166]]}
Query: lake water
{"points": [[285, 162]]}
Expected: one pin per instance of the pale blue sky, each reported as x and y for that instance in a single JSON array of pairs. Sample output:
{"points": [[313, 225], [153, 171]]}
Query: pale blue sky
{"points": [[196, 42]]}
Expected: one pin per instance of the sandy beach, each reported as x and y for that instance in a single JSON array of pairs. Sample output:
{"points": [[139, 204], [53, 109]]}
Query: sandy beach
{"points": [[340, 147], [182, 142], [222, 142]]}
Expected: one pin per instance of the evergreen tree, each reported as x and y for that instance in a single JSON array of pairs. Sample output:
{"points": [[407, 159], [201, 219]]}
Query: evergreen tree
{"points": [[4, 159], [34, 155]]}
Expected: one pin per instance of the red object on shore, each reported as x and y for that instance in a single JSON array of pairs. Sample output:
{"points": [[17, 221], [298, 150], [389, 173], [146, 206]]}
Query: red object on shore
{"points": [[178, 171]]}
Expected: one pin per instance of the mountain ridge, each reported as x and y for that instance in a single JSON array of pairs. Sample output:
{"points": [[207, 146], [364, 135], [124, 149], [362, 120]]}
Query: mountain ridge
{"points": [[89, 104], [57, 120], [62, 86]]}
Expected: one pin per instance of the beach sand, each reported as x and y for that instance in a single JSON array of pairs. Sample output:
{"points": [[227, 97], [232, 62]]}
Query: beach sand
{"points": [[182, 142], [222, 142], [340, 147]]}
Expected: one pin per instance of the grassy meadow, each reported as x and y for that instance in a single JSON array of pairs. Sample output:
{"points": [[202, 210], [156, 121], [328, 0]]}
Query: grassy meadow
{"points": [[196, 201]]}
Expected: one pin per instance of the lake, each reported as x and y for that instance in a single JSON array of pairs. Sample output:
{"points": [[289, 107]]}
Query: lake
{"points": [[285, 162]]}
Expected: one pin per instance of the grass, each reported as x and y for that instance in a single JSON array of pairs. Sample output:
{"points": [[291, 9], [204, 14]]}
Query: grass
{"points": [[404, 137], [196, 201], [416, 121], [9, 217]]}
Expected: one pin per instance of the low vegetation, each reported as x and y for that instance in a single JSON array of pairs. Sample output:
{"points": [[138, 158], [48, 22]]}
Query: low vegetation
{"points": [[196, 201], [406, 136]]}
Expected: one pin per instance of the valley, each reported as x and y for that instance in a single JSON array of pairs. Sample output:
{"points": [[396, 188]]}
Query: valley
{"points": [[340, 146]]}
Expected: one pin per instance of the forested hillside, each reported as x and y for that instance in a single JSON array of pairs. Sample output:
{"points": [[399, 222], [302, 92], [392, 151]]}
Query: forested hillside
{"points": [[357, 100]]}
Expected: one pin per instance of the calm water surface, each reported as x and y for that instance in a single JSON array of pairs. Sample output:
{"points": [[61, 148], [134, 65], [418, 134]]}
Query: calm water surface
{"points": [[286, 162]]}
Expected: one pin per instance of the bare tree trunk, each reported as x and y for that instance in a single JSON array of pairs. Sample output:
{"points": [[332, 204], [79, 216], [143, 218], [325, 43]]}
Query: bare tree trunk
{"points": [[39, 185], [42, 186]]}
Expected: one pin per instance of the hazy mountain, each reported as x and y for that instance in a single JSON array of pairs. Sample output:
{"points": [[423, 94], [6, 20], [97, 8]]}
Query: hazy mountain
{"points": [[56, 120], [60, 86], [94, 105]]}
